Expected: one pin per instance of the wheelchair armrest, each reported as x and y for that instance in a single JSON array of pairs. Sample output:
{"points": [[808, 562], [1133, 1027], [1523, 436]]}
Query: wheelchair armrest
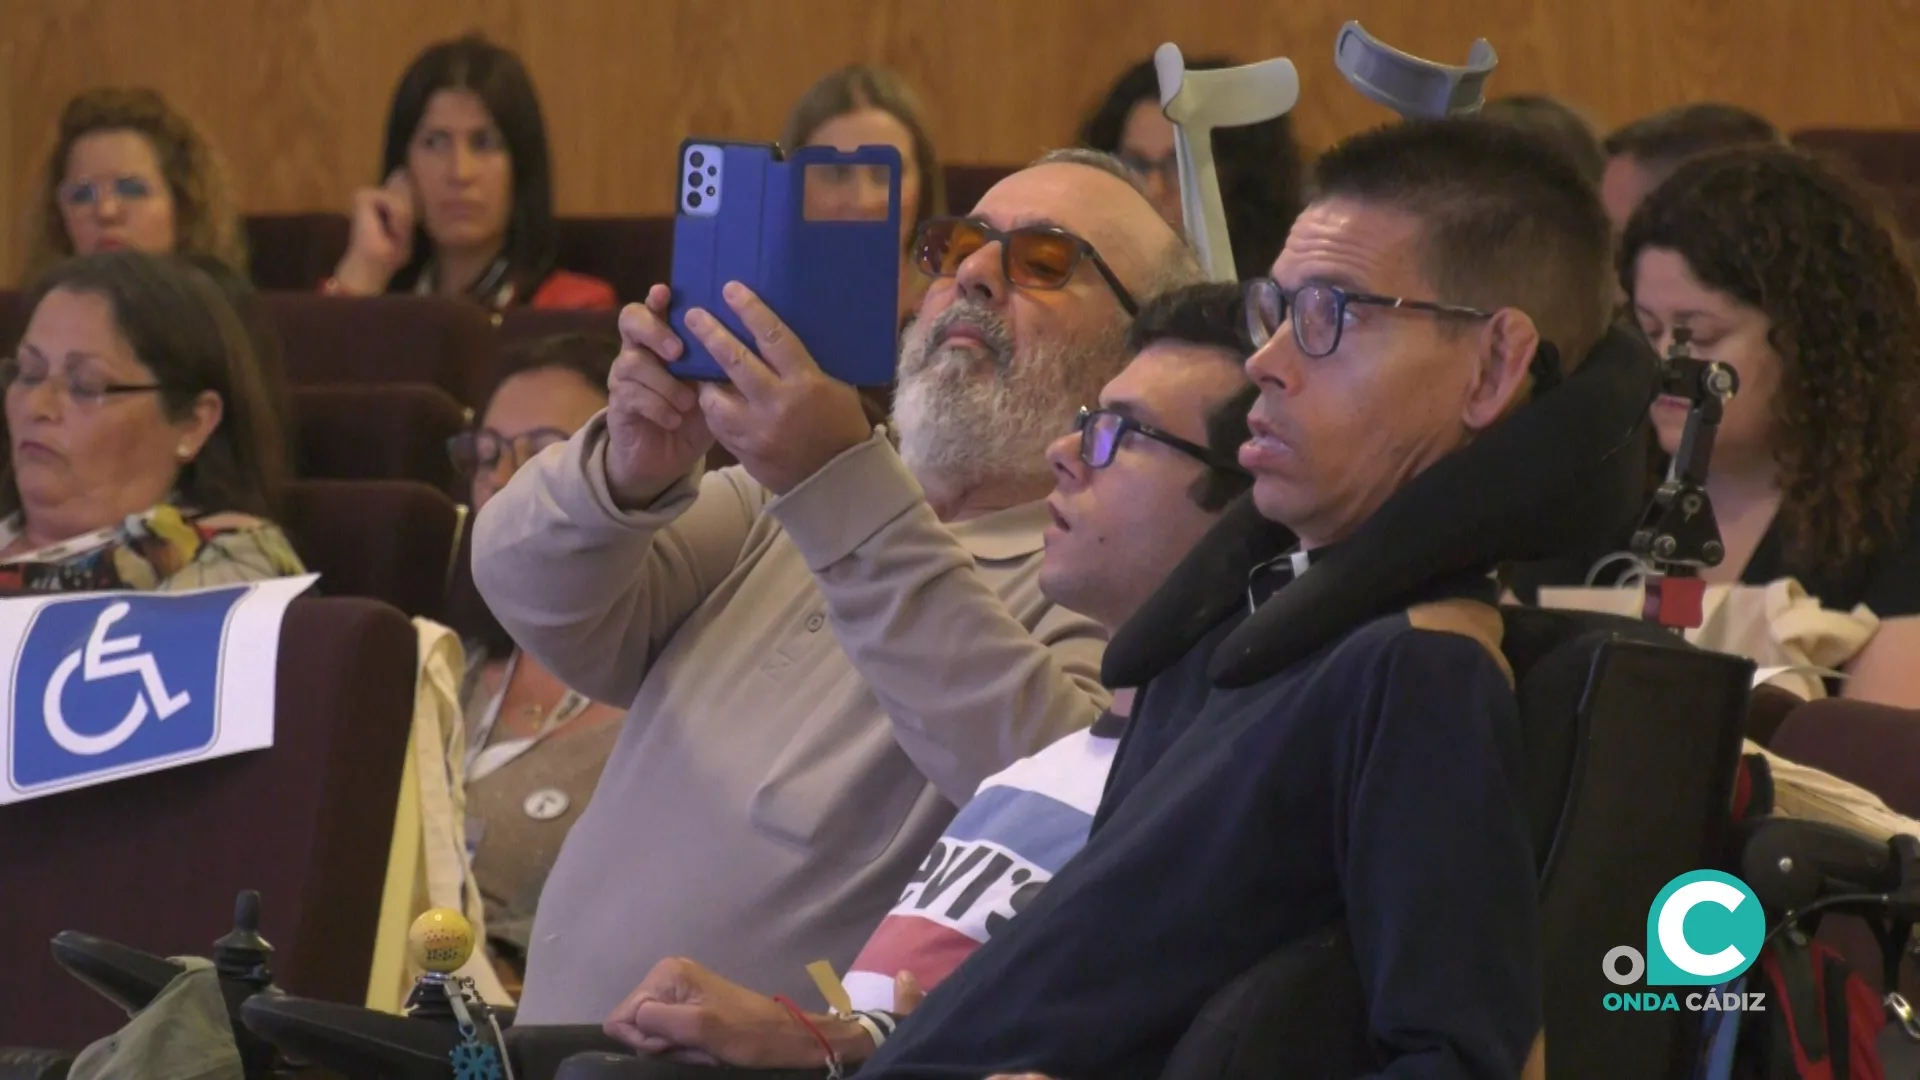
{"points": [[353, 1041], [1791, 863], [127, 977], [21, 1064], [598, 1066], [538, 1051]]}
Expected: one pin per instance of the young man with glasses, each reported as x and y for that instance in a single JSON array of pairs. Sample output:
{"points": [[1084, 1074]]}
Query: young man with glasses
{"points": [[827, 648], [1144, 474], [1374, 781]]}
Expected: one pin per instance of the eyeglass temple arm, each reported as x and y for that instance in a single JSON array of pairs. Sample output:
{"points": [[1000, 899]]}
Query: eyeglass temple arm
{"points": [[1197, 102]]}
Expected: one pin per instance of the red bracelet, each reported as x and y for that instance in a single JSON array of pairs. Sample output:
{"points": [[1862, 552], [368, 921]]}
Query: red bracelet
{"points": [[834, 1070]]}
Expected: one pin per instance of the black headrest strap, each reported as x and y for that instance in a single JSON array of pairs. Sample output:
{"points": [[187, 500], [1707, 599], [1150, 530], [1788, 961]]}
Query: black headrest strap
{"points": [[1555, 476]]}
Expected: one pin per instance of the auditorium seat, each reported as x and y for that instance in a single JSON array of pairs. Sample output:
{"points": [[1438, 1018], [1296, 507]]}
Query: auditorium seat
{"points": [[525, 324], [388, 540], [158, 859], [630, 253], [13, 317], [966, 183], [385, 339], [1878, 748], [1767, 708], [295, 252], [1887, 157], [1874, 746], [396, 432]]}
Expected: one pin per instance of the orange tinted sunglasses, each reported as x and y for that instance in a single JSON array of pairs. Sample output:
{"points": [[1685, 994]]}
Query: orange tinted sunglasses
{"points": [[1034, 257]]}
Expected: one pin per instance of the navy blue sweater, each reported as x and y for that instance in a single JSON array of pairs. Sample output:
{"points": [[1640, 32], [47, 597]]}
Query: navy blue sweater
{"points": [[1375, 781]]}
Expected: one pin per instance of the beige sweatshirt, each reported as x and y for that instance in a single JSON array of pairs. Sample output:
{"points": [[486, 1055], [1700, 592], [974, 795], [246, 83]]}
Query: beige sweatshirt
{"points": [[817, 680]]}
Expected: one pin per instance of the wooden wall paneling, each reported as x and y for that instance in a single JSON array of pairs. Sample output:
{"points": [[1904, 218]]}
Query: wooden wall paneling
{"points": [[295, 91]]}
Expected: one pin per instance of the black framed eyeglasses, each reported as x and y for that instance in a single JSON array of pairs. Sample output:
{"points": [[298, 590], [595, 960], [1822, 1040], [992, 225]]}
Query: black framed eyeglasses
{"points": [[1034, 257], [1319, 312], [1101, 431], [82, 388], [477, 452]]}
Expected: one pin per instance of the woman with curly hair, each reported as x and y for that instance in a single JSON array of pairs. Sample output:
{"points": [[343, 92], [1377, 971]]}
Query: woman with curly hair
{"points": [[128, 171], [1786, 273]]}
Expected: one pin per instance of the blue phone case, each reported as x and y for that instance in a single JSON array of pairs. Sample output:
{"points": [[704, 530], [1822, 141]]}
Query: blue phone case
{"points": [[741, 216]]}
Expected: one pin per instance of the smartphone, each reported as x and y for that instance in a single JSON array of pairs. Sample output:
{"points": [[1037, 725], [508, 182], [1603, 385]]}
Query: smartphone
{"points": [[815, 234]]}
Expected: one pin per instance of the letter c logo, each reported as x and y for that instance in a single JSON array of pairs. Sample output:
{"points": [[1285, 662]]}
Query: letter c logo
{"points": [[1721, 911], [1673, 934]]}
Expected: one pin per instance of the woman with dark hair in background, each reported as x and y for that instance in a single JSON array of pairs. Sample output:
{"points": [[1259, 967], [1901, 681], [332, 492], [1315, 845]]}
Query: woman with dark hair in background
{"points": [[1786, 273], [128, 171], [467, 207], [870, 106], [1557, 124], [1259, 166], [534, 748], [144, 453]]}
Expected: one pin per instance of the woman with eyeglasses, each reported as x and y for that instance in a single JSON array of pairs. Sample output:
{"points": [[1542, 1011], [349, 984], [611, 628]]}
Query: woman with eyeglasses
{"points": [[128, 171], [466, 205], [145, 453], [1788, 274], [1260, 165], [534, 748]]}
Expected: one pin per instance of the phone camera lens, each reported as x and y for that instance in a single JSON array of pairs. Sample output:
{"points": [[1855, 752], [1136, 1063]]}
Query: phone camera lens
{"points": [[709, 191], [698, 159], [713, 170], [693, 200], [693, 179]]}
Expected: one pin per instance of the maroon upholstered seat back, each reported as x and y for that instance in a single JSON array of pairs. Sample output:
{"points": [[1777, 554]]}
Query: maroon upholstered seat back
{"points": [[1887, 159], [385, 339], [396, 432], [1889, 156], [13, 317], [526, 324], [389, 540], [966, 183], [1874, 746], [1878, 748], [630, 253], [294, 251], [154, 862]]}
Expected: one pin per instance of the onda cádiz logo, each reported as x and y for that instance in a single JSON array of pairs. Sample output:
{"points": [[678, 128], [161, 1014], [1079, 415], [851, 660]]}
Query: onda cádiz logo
{"points": [[1705, 929]]}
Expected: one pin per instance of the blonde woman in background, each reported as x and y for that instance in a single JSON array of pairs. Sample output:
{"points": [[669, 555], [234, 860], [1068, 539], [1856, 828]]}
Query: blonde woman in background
{"points": [[870, 106], [860, 106]]}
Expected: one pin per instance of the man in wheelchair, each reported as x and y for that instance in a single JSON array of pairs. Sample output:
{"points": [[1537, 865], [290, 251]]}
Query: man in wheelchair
{"points": [[1274, 781]]}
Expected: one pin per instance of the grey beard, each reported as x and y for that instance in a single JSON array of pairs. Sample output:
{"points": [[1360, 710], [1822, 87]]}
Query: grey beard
{"points": [[961, 427]]}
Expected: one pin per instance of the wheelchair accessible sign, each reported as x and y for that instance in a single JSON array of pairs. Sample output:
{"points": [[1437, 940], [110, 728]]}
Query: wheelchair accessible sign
{"points": [[104, 686]]}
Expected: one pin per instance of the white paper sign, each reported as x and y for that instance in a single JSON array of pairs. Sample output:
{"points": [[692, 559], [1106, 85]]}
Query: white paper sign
{"points": [[101, 686]]}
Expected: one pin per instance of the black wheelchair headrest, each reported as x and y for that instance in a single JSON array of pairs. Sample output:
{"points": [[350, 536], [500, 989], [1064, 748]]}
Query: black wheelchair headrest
{"points": [[1561, 473]]}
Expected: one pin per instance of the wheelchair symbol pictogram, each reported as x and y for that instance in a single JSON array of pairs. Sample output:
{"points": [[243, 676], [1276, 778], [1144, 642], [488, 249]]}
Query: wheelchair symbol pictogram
{"points": [[108, 658]]}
